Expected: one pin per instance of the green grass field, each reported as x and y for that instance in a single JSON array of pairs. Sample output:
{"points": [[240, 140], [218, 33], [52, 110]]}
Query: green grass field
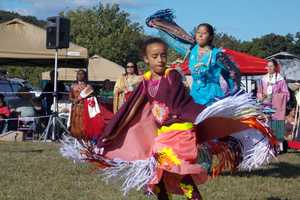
{"points": [[36, 171]]}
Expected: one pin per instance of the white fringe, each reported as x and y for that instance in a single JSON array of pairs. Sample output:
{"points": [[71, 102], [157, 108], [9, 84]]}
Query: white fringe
{"points": [[134, 174], [71, 149], [231, 107], [256, 150]]}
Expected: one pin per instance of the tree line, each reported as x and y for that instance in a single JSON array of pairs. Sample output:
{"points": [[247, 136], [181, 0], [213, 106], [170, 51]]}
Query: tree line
{"points": [[107, 30]]}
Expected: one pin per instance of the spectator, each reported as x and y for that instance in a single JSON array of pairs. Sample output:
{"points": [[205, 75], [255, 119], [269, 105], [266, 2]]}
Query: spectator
{"points": [[4, 112], [86, 120], [125, 85], [141, 71], [106, 92], [49, 87], [25, 108], [290, 123], [273, 92]]}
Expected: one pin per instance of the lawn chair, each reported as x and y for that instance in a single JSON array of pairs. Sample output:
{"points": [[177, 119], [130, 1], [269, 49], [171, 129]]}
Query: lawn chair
{"points": [[28, 126]]}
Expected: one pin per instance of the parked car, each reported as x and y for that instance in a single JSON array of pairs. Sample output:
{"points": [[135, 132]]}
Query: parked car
{"points": [[25, 84], [9, 87]]}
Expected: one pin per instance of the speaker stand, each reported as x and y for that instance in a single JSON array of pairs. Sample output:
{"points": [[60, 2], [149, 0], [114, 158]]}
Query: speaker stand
{"points": [[54, 118], [57, 119]]}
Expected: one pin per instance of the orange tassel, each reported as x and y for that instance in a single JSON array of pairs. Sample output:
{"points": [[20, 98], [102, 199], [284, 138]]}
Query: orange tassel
{"points": [[226, 159], [266, 131]]}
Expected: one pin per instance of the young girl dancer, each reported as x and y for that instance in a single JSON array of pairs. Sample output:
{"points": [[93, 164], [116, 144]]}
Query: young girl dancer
{"points": [[164, 142]]}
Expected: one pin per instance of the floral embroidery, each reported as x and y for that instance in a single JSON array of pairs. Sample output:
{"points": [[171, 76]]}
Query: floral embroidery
{"points": [[160, 111], [187, 190], [91, 102], [167, 157], [167, 72], [147, 75]]}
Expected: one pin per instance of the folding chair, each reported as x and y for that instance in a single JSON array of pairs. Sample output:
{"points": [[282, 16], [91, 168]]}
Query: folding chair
{"points": [[28, 126]]}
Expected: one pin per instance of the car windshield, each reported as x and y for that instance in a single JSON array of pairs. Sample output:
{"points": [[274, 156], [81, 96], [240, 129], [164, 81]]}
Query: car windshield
{"points": [[16, 86], [28, 85], [5, 87]]}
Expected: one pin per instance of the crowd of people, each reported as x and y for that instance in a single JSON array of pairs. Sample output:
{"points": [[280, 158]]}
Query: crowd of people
{"points": [[38, 110], [272, 90]]}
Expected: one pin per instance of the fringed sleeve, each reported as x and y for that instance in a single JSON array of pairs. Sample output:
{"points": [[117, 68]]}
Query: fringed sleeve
{"points": [[227, 66]]}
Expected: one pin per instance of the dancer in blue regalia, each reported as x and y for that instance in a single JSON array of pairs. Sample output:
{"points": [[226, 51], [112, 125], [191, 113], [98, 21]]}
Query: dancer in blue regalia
{"points": [[214, 75]]}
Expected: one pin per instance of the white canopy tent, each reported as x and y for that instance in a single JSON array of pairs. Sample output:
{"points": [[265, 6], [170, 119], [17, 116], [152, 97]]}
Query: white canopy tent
{"points": [[290, 65], [22, 43], [99, 69]]}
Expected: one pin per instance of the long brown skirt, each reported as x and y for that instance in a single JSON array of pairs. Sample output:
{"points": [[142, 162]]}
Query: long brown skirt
{"points": [[76, 123]]}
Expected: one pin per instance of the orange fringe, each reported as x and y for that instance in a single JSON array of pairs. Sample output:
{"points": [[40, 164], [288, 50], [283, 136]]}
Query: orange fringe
{"points": [[226, 159], [253, 122]]}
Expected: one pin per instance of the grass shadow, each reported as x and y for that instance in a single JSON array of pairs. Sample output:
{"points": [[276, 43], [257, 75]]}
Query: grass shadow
{"points": [[25, 151], [276, 198], [278, 170]]}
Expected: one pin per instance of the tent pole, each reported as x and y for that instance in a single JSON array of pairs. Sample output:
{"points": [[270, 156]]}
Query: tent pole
{"points": [[296, 123], [55, 95], [247, 83]]}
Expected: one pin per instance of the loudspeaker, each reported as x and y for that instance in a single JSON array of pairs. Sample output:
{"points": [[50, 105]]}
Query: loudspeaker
{"points": [[58, 32]]}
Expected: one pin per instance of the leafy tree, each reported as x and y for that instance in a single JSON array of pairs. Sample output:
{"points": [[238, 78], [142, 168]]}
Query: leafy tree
{"points": [[268, 45], [106, 30], [295, 49], [227, 41], [31, 74], [6, 16]]}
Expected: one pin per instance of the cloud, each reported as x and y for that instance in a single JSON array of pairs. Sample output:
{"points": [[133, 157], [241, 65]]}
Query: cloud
{"points": [[82, 3], [22, 11], [46, 8], [130, 4], [43, 9]]}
